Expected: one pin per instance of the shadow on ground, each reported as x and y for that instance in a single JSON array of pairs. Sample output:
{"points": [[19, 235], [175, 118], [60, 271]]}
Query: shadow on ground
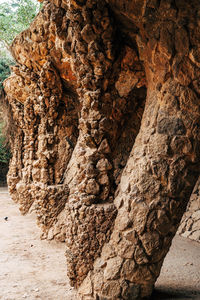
{"points": [[185, 294]]}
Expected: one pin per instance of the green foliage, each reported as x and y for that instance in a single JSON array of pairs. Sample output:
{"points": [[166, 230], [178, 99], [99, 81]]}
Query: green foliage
{"points": [[4, 150], [4, 69], [15, 17]]}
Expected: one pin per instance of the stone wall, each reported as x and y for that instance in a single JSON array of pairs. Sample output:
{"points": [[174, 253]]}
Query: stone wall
{"points": [[105, 103], [76, 122]]}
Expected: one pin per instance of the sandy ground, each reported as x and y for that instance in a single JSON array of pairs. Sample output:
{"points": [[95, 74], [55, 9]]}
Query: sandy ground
{"points": [[180, 274], [34, 269], [30, 268]]}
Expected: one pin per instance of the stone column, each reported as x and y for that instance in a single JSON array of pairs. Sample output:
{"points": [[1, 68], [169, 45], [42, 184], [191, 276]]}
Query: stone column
{"points": [[163, 166]]}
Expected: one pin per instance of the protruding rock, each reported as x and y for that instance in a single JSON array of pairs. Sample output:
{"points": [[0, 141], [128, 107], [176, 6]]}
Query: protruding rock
{"points": [[92, 187], [104, 165]]}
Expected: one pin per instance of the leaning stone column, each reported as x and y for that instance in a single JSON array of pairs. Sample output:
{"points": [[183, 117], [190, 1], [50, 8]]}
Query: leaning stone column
{"points": [[163, 166]]}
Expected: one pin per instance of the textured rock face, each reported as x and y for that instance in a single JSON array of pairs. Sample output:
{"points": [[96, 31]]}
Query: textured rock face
{"points": [[91, 77]]}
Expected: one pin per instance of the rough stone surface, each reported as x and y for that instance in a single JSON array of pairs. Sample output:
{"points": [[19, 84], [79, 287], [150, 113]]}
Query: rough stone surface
{"points": [[105, 102]]}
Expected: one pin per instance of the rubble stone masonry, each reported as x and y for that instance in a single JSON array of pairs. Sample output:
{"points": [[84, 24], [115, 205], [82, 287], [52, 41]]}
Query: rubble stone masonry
{"points": [[105, 102]]}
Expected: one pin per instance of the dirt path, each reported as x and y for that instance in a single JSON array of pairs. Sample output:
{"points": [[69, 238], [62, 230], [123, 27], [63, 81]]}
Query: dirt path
{"points": [[34, 269]]}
